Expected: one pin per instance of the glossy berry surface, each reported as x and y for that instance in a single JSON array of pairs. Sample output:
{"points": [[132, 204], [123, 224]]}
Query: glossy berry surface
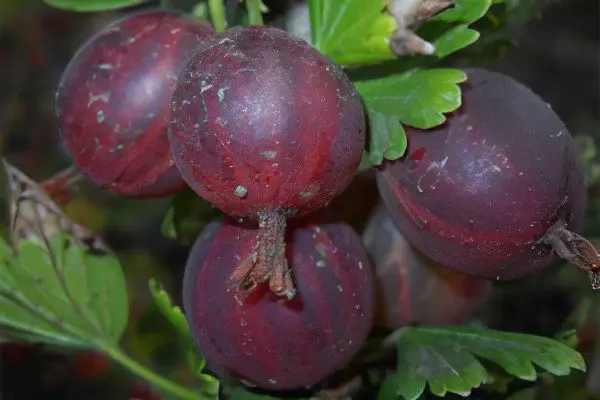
{"points": [[270, 341], [263, 122], [113, 101], [411, 289], [478, 193]]}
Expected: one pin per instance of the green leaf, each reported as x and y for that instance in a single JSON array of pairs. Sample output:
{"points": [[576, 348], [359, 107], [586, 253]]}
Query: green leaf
{"points": [[465, 11], [387, 390], [449, 38], [352, 31], [418, 98], [387, 138], [171, 312], [455, 39], [61, 294], [447, 359], [188, 215], [93, 5]]}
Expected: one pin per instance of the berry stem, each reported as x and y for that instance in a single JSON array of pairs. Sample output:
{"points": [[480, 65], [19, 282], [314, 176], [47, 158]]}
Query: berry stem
{"points": [[165, 384], [217, 15], [59, 186], [268, 261], [575, 249], [254, 12]]}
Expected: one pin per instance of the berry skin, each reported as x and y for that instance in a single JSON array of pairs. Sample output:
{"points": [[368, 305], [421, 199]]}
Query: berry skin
{"points": [[412, 290], [265, 127], [264, 122], [480, 193], [113, 101], [271, 341]]}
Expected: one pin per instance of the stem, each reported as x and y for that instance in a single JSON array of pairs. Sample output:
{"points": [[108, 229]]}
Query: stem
{"points": [[575, 249], [60, 186], [268, 262], [165, 384], [254, 14], [217, 14]]}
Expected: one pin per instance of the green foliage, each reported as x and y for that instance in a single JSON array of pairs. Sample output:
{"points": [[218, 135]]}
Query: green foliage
{"points": [[448, 359], [352, 31], [357, 32], [448, 37], [387, 139], [414, 96], [216, 9], [171, 312], [255, 9], [59, 293], [465, 11], [418, 98], [209, 384], [93, 5], [588, 159], [188, 215]]}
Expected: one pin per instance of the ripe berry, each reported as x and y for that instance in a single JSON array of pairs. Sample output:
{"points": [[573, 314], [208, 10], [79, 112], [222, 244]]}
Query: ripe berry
{"points": [[271, 341], [266, 127], [113, 101], [488, 191], [413, 290]]}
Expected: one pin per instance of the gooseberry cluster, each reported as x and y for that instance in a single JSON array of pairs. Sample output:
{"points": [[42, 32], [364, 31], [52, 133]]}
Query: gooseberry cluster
{"points": [[267, 129]]}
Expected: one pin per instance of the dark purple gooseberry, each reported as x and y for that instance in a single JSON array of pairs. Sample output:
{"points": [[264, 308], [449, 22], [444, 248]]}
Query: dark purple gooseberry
{"points": [[493, 190], [266, 127], [113, 101], [271, 341], [411, 289]]}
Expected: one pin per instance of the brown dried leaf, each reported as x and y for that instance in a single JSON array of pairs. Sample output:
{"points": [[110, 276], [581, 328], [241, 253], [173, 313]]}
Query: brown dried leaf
{"points": [[34, 215]]}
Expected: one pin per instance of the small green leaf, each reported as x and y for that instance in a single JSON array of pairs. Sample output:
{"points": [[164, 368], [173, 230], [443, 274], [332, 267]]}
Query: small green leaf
{"points": [[62, 294], [171, 312], [188, 215], [93, 5], [446, 36], [455, 39], [387, 390], [418, 98], [465, 11], [387, 138], [448, 358], [352, 31]]}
